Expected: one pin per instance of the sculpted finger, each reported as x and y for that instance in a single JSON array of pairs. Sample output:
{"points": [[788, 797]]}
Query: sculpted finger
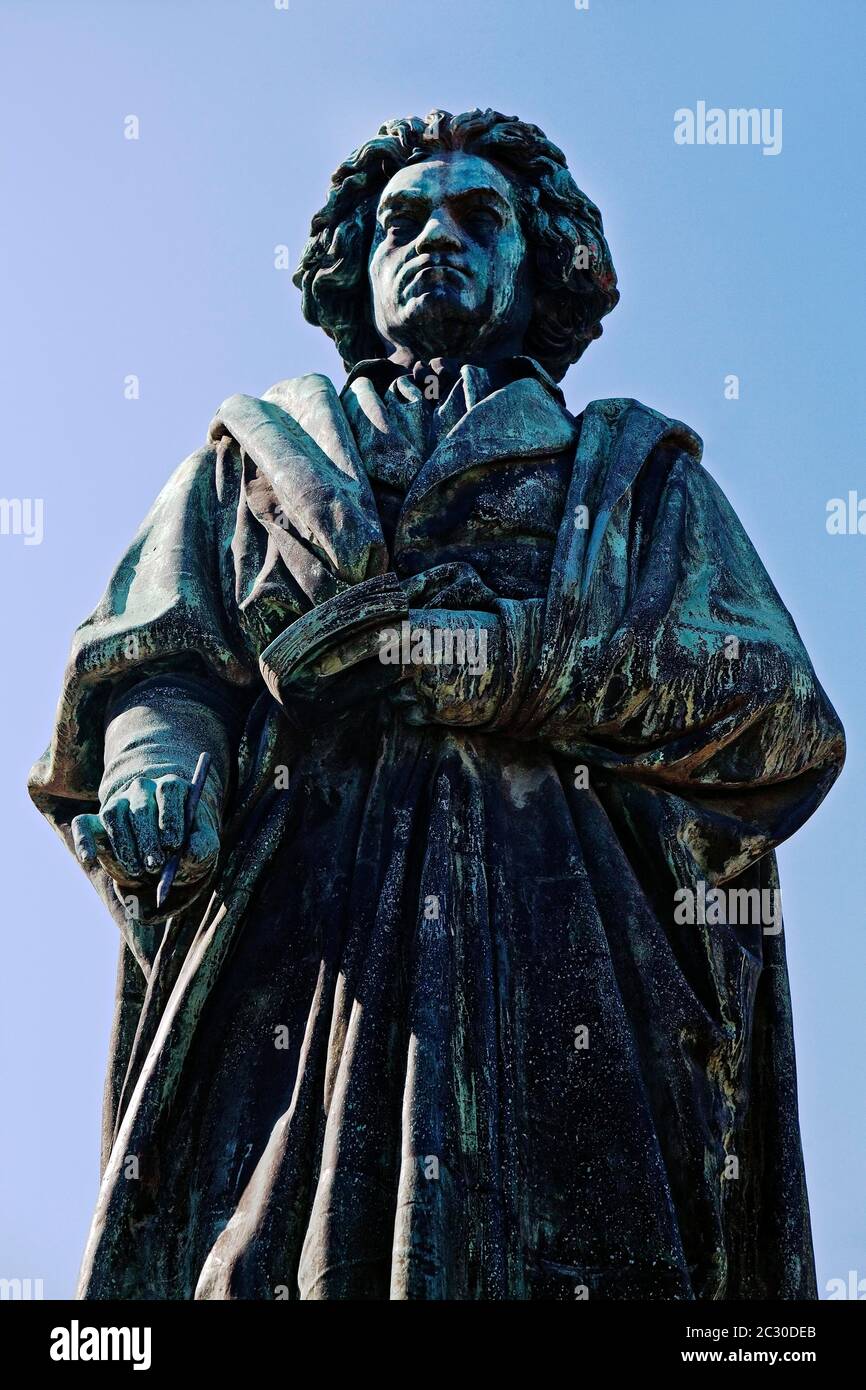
{"points": [[143, 820], [84, 832], [171, 797], [116, 819], [93, 847], [115, 870], [200, 855]]}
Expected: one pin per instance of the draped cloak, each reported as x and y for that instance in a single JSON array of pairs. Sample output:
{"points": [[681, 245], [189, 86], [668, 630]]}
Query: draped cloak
{"points": [[434, 1030]]}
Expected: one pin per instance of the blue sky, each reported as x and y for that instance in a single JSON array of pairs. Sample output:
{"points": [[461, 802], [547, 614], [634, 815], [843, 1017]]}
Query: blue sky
{"points": [[155, 257]]}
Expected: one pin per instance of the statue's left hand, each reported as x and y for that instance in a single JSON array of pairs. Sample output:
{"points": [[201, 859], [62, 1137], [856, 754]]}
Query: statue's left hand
{"points": [[465, 690]]}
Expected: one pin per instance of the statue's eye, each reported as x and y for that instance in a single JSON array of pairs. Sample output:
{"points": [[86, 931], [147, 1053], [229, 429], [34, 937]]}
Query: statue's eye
{"points": [[481, 219], [401, 224]]}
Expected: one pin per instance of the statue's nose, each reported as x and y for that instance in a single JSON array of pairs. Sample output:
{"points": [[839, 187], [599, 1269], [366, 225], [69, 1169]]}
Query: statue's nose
{"points": [[439, 232]]}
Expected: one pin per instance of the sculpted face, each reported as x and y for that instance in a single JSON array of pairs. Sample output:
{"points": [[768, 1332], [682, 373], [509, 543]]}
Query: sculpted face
{"points": [[448, 266]]}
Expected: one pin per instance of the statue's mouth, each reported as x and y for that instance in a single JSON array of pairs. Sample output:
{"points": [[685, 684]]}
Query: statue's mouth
{"points": [[432, 270]]}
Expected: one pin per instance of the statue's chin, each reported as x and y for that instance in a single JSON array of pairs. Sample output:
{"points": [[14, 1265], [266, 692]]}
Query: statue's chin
{"points": [[440, 325]]}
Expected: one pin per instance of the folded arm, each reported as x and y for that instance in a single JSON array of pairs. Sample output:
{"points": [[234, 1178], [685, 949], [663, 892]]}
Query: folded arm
{"points": [[669, 668]]}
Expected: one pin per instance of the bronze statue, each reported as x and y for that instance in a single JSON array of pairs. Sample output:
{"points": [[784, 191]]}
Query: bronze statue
{"points": [[471, 983]]}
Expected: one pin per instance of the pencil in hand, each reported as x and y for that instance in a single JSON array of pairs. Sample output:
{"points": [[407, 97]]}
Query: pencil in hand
{"points": [[202, 768]]}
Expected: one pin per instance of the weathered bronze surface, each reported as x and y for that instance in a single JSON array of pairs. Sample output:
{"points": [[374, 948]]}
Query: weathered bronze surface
{"points": [[426, 1020]]}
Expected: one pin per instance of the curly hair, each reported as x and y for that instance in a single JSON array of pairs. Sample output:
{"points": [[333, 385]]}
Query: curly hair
{"points": [[574, 281]]}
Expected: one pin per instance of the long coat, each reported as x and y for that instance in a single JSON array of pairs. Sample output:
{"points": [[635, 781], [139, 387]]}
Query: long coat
{"points": [[437, 1028]]}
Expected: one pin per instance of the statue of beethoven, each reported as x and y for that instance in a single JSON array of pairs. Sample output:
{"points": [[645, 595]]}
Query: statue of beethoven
{"points": [[491, 694]]}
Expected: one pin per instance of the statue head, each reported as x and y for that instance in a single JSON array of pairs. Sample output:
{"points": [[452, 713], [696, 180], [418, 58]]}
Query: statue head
{"points": [[458, 236]]}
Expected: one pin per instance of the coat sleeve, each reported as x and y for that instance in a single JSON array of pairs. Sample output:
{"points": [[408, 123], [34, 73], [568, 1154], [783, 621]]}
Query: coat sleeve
{"points": [[675, 671], [663, 665], [175, 608]]}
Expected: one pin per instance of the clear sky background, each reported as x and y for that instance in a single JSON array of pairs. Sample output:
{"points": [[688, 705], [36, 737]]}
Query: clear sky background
{"points": [[156, 257]]}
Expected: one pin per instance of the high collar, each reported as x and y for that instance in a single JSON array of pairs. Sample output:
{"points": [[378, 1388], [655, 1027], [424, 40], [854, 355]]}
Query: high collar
{"points": [[381, 371]]}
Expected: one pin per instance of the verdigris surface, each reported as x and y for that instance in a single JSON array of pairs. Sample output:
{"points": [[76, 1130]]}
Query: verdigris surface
{"points": [[421, 1018]]}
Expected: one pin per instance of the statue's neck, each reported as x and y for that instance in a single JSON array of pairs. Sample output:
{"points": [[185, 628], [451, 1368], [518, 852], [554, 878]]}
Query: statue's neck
{"points": [[404, 356]]}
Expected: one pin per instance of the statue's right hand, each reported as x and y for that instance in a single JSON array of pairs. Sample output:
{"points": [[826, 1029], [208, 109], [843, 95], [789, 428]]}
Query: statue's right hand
{"points": [[141, 826]]}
